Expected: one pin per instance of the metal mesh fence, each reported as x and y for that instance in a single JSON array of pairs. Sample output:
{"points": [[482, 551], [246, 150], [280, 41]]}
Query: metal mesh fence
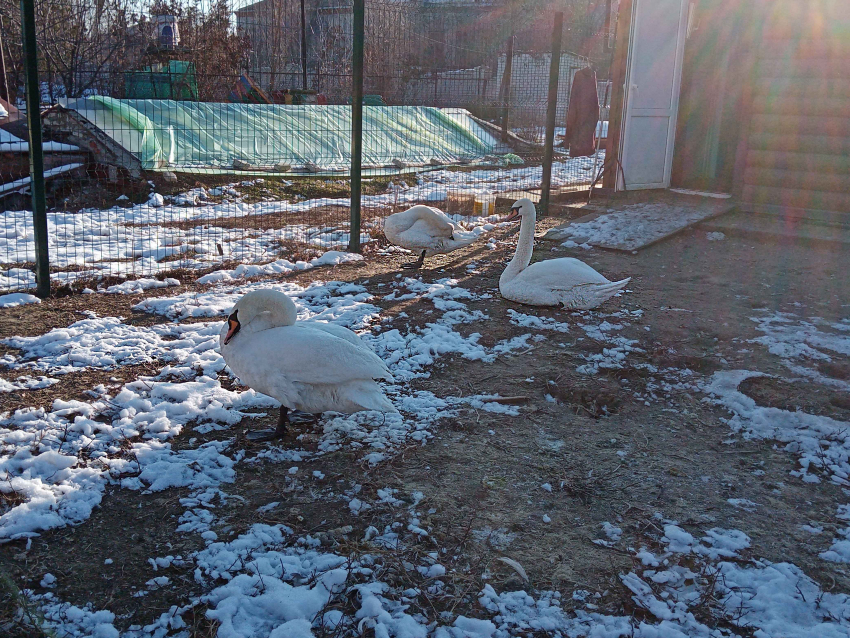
{"points": [[208, 135]]}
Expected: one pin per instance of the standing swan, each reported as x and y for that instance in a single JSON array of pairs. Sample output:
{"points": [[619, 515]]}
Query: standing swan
{"points": [[427, 231], [565, 282], [306, 365]]}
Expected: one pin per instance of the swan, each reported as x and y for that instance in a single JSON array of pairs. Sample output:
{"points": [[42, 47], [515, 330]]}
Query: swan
{"points": [[564, 282], [427, 231], [308, 366]]}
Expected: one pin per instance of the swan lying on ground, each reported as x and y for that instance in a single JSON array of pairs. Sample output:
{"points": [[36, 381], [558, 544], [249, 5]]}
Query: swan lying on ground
{"points": [[565, 282], [308, 366], [427, 231]]}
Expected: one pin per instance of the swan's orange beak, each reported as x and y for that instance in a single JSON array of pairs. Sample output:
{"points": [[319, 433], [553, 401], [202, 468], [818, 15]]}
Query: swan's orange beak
{"points": [[514, 214], [233, 327]]}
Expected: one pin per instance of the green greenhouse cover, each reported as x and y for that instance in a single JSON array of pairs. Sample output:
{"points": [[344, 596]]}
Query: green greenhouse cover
{"points": [[205, 135]]}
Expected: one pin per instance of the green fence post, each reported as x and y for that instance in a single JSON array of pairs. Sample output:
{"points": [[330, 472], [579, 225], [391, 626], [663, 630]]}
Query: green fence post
{"points": [[357, 122], [39, 205], [505, 89], [551, 113]]}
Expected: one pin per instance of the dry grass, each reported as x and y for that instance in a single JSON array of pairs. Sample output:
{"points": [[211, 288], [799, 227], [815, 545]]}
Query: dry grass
{"points": [[19, 618]]}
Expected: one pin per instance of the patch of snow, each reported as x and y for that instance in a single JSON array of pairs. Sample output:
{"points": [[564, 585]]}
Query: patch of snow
{"points": [[16, 299], [279, 267], [136, 286], [820, 442], [27, 383], [802, 343], [539, 323]]}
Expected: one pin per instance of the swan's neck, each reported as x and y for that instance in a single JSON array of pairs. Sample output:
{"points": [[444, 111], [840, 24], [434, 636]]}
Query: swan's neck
{"points": [[524, 248]]}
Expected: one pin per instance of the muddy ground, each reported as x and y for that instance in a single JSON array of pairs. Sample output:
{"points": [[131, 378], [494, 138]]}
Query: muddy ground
{"points": [[484, 471]]}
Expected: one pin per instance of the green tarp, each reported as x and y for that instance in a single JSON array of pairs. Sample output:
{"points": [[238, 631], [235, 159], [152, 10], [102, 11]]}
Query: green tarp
{"points": [[201, 135], [172, 81]]}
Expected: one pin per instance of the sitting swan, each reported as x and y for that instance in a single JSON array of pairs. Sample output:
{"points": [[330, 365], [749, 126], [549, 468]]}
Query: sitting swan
{"points": [[306, 365], [565, 282], [427, 231]]}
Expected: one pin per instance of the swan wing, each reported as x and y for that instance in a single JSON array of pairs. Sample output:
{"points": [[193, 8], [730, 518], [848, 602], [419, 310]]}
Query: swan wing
{"points": [[306, 355], [336, 331], [561, 274], [439, 221], [423, 218]]}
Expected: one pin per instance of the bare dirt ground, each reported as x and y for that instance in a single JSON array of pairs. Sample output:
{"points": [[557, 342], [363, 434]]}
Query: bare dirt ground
{"points": [[484, 471]]}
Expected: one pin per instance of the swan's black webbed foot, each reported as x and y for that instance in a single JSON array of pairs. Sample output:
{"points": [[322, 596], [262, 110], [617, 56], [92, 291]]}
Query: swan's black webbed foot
{"points": [[297, 417], [415, 264], [271, 435]]}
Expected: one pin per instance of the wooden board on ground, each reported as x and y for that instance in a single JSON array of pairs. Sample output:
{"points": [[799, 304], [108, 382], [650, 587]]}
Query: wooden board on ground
{"points": [[632, 224]]}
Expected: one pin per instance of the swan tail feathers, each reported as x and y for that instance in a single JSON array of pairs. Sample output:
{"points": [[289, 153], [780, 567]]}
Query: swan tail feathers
{"points": [[369, 396], [379, 402], [603, 292]]}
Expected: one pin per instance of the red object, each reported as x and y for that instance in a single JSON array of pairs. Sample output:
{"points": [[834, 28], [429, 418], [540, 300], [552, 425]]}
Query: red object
{"points": [[583, 114], [321, 98]]}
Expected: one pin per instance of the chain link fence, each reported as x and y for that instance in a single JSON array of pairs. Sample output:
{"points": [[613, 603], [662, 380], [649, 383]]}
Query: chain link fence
{"points": [[190, 137]]}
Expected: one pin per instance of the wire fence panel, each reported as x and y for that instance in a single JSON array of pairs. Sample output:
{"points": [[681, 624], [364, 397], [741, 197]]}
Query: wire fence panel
{"points": [[184, 138]]}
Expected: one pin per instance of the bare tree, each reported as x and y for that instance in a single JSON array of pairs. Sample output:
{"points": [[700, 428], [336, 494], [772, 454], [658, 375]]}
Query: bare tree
{"points": [[82, 43], [86, 46]]}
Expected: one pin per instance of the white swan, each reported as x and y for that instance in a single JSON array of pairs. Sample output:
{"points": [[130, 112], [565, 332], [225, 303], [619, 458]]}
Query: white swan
{"points": [[565, 282], [308, 366], [427, 231]]}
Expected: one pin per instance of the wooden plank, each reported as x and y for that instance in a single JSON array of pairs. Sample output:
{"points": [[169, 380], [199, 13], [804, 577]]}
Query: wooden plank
{"points": [[805, 48], [799, 161], [809, 68], [802, 180], [800, 125], [636, 227], [812, 106], [794, 198], [806, 19], [811, 88], [816, 144]]}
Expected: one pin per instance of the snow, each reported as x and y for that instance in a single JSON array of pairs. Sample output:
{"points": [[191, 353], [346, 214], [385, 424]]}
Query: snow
{"points": [[800, 343], [140, 285], [612, 532], [17, 299], [821, 443], [27, 382], [777, 600], [535, 322], [279, 267]]}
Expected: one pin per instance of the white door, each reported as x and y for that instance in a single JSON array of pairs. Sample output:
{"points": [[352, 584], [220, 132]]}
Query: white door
{"points": [[654, 75]]}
